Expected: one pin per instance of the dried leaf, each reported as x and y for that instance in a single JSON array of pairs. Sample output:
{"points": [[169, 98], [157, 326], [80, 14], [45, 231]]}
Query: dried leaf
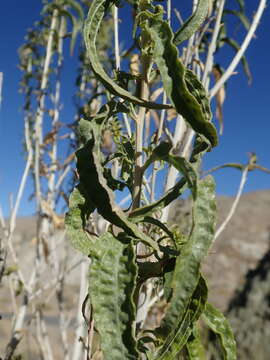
{"points": [[220, 98]]}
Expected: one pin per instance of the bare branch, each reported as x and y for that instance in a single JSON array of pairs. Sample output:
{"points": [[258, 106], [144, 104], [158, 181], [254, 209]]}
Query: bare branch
{"points": [[229, 71], [235, 203]]}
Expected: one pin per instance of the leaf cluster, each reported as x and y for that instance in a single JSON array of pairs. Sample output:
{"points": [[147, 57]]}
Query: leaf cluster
{"points": [[117, 270]]}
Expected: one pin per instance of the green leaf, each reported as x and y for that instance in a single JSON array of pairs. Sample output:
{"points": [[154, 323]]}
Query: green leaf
{"points": [[95, 125], [97, 191], [95, 16], [194, 346], [76, 221], [185, 168], [112, 280], [193, 23], [220, 326], [181, 86], [187, 267], [161, 203], [177, 339], [162, 153]]}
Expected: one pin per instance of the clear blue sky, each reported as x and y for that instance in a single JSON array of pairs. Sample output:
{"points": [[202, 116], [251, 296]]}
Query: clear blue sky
{"points": [[246, 110]]}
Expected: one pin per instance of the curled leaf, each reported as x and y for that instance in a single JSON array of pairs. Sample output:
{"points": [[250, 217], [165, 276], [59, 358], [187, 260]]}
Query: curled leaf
{"points": [[181, 85], [178, 338], [220, 326], [76, 222], [95, 16], [193, 23], [220, 98], [187, 268], [194, 346]]}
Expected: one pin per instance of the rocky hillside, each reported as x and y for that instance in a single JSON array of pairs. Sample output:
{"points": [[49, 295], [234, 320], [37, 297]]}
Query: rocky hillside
{"points": [[238, 272], [239, 248]]}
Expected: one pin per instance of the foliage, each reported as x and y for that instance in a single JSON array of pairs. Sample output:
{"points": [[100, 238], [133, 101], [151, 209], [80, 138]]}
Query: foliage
{"points": [[114, 266], [125, 139]]}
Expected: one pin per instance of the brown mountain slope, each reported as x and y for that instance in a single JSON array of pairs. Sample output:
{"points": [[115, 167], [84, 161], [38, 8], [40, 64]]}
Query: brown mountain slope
{"points": [[239, 248]]}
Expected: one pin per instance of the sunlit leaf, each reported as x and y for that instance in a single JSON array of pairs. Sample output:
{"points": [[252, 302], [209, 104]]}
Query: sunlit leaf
{"points": [[182, 87], [112, 280], [220, 326], [194, 346], [76, 222], [187, 268], [95, 16], [177, 338], [193, 23]]}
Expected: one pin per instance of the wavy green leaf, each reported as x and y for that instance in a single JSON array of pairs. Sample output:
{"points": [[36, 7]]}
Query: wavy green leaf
{"points": [[112, 280], [162, 202], [187, 267], [183, 89], [162, 153], [194, 346], [177, 339], [95, 16], [76, 221], [185, 168], [220, 326], [92, 174], [193, 22]]}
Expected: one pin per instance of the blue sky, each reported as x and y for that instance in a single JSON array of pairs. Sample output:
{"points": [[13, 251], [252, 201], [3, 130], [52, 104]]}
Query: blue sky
{"points": [[246, 109]]}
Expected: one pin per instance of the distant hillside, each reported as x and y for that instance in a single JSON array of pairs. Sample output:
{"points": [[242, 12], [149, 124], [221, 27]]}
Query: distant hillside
{"points": [[239, 248]]}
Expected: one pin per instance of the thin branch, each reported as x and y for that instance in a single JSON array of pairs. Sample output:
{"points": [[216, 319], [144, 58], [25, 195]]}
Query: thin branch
{"points": [[17, 333], [139, 125], [41, 106], [55, 119], [178, 15], [116, 37], [42, 337], [229, 71], [169, 11], [213, 44], [62, 177], [14, 212], [80, 328], [235, 203]]}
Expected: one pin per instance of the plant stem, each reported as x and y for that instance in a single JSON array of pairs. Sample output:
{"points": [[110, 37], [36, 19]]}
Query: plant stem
{"points": [[139, 127], [213, 45], [235, 203], [55, 119], [245, 44], [41, 106]]}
